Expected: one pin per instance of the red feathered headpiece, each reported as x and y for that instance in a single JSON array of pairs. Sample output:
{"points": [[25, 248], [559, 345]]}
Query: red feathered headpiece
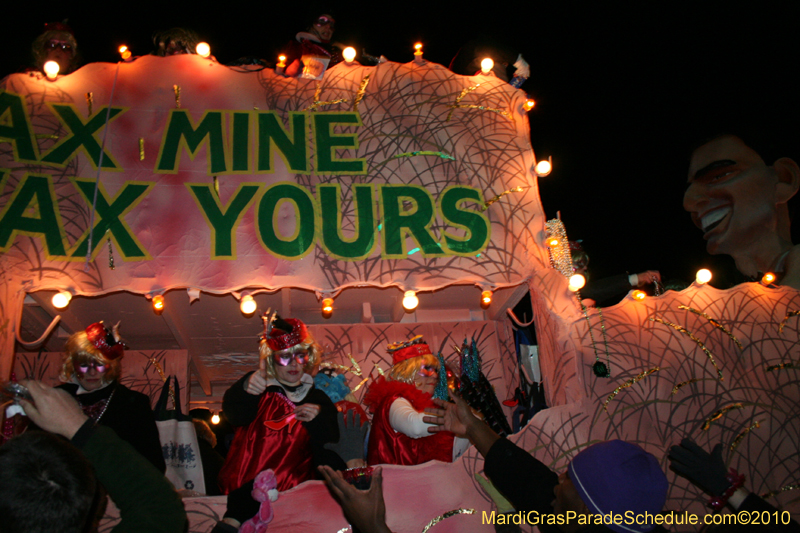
{"points": [[104, 340]]}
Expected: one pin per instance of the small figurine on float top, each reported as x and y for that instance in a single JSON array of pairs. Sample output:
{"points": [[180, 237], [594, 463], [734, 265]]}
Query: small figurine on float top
{"points": [[57, 43], [282, 420], [91, 369], [398, 401]]}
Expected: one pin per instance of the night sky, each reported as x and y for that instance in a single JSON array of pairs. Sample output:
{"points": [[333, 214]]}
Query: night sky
{"points": [[619, 91]]}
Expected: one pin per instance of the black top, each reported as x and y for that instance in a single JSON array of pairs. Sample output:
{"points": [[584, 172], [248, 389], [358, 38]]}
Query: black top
{"points": [[128, 413]]}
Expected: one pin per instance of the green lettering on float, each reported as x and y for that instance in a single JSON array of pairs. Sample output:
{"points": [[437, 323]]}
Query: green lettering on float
{"points": [[240, 144], [399, 223], [327, 143], [290, 142], [223, 220], [363, 221], [182, 133], [15, 127], [82, 136], [108, 221], [294, 246], [475, 222], [32, 210]]}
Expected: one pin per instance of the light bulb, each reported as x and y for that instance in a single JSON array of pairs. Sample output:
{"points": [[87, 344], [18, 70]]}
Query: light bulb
{"points": [[215, 418], [203, 49], [639, 295], [61, 299], [158, 303], [552, 242], [51, 69], [576, 282], [543, 167], [486, 298], [327, 306], [768, 278], [703, 276], [529, 104], [410, 300], [349, 54], [248, 305], [487, 65]]}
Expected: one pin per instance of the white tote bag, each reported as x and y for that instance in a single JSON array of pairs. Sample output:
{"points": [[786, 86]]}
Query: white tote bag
{"points": [[179, 443]]}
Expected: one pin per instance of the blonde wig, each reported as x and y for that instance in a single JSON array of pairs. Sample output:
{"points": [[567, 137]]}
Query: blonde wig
{"points": [[310, 345], [80, 351], [407, 370]]}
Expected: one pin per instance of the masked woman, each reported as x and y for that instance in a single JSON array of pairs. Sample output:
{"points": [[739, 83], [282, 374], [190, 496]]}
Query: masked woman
{"points": [[91, 369], [282, 421], [398, 401]]}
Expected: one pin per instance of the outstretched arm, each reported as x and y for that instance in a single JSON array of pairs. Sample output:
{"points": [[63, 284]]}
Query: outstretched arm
{"points": [[364, 509], [458, 418]]}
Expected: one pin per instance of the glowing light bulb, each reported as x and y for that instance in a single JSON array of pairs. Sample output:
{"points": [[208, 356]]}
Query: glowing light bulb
{"points": [[552, 242], [768, 278], [544, 167], [61, 299], [327, 306], [123, 49], [530, 103], [125, 52], [281, 61], [215, 419], [248, 305], [51, 69], [203, 49], [487, 65], [410, 301], [639, 295], [576, 282], [158, 303], [418, 52], [349, 54], [486, 298], [703, 276]]}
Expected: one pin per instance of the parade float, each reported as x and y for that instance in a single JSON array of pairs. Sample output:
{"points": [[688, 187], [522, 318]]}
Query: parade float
{"points": [[180, 182]]}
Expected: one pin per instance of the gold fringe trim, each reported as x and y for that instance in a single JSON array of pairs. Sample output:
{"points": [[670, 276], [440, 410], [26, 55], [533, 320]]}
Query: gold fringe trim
{"points": [[446, 515], [317, 103], [695, 339], [781, 366], [677, 387], [743, 434], [628, 384], [789, 315], [785, 488], [487, 203], [716, 415], [361, 91], [715, 322]]}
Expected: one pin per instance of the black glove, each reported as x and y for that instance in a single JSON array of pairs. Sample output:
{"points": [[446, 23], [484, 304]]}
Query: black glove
{"points": [[707, 471], [351, 437], [241, 505]]}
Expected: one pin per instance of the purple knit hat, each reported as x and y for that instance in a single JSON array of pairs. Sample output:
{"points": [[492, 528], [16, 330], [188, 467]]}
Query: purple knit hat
{"points": [[616, 477]]}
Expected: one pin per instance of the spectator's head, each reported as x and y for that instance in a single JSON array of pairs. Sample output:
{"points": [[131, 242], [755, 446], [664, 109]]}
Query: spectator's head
{"points": [[738, 198], [175, 41], [289, 351], [92, 357], [612, 477], [580, 259], [204, 432], [323, 26], [46, 485], [58, 44], [414, 363]]}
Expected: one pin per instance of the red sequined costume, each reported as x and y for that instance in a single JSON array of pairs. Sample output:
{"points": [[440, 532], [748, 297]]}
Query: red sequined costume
{"points": [[387, 446], [269, 436]]}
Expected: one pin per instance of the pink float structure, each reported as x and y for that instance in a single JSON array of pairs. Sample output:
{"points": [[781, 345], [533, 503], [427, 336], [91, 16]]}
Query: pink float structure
{"points": [[217, 184]]}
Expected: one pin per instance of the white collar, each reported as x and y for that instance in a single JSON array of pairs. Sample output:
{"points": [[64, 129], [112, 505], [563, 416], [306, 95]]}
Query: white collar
{"points": [[306, 382]]}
